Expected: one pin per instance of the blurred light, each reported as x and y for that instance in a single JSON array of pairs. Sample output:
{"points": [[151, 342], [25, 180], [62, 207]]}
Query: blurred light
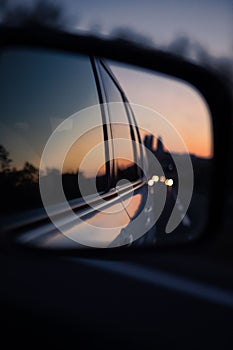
{"points": [[169, 182], [155, 178], [162, 178], [150, 182]]}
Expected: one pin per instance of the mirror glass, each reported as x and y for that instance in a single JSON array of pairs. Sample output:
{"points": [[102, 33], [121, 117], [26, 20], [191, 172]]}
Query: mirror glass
{"points": [[94, 153]]}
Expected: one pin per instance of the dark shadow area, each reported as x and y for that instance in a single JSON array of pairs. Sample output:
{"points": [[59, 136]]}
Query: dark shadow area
{"points": [[197, 212]]}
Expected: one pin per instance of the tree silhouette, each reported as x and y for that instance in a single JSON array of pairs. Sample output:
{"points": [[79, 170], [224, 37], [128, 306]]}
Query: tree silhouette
{"points": [[5, 161], [29, 174]]}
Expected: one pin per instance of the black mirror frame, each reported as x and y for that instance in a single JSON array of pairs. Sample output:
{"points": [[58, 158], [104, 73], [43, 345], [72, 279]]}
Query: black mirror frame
{"points": [[212, 87]]}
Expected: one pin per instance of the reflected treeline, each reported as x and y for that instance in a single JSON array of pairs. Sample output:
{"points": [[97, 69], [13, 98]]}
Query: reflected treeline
{"points": [[20, 188]]}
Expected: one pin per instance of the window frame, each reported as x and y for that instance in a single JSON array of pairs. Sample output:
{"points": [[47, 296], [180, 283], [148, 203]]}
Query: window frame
{"points": [[101, 64]]}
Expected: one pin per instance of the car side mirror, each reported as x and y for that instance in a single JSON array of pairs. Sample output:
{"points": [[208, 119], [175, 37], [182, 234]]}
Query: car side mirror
{"points": [[104, 144]]}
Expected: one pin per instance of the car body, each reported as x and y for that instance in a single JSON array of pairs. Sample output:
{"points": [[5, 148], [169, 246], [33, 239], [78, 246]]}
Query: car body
{"points": [[94, 78]]}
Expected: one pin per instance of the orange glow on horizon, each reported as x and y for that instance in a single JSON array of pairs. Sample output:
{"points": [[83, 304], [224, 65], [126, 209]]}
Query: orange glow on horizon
{"points": [[176, 101]]}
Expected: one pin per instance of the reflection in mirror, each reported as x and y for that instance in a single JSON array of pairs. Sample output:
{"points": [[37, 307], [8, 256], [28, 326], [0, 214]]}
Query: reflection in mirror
{"points": [[134, 134], [183, 108], [38, 91]]}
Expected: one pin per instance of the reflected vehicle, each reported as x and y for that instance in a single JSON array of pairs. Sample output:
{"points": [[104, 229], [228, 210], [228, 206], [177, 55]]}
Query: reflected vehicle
{"points": [[54, 94]]}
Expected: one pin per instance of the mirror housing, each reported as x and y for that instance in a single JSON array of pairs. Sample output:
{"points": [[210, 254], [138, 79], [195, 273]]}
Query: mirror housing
{"points": [[210, 85]]}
